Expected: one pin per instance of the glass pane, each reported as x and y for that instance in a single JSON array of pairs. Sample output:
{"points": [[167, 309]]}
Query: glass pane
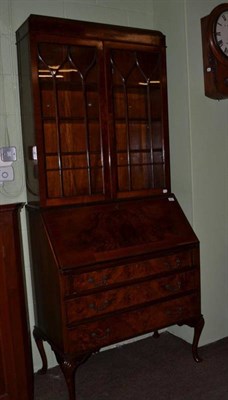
{"points": [[52, 162], [123, 179], [70, 102], [139, 136], [141, 177], [47, 99], [140, 158], [54, 185], [96, 180], [94, 137], [75, 182], [74, 161], [73, 137], [50, 137]]}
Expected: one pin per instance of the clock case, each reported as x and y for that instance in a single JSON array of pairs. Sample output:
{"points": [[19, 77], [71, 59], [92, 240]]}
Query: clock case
{"points": [[215, 63]]}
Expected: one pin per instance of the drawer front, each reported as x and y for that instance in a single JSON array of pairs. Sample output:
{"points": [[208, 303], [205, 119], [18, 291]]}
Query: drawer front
{"points": [[94, 335], [131, 295], [74, 284]]}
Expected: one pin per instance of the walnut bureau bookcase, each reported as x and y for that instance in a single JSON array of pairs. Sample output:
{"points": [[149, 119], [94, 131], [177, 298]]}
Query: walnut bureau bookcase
{"points": [[113, 253]]}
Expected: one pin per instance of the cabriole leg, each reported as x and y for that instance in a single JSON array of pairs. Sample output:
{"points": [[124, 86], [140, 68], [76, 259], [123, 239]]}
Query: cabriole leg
{"points": [[198, 327], [197, 324], [39, 342], [156, 335], [69, 367]]}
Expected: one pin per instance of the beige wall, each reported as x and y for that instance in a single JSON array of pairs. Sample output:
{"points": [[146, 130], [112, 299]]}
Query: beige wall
{"points": [[199, 145], [198, 129]]}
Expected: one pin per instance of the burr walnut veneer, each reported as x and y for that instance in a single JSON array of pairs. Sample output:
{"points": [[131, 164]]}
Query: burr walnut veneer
{"points": [[113, 254]]}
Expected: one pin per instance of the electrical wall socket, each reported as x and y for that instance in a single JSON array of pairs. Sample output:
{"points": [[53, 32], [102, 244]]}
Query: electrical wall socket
{"points": [[6, 174], [8, 153]]}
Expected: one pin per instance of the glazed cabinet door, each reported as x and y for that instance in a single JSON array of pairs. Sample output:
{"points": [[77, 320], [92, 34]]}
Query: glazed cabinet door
{"points": [[70, 139], [139, 128]]}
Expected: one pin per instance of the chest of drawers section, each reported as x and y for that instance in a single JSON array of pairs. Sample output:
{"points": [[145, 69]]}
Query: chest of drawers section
{"points": [[106, 273], [113, 303]]}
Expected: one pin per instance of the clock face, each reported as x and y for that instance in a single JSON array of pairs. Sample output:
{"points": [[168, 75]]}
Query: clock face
{"points": [[221, 32]]}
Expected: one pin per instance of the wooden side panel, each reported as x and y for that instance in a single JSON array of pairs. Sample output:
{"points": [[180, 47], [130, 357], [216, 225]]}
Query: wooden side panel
{"points": [[27, 118], [46, 281], [16, 373]]}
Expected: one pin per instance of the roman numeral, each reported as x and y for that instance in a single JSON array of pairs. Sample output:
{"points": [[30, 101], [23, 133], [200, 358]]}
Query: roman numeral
{"points": [[220, 43]]}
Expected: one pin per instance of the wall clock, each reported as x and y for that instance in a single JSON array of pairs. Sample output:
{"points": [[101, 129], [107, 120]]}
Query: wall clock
{"points": [[214, 29]]}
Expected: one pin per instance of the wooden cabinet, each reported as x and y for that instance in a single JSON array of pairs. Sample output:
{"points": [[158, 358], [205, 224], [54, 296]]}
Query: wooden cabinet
{"points": [[16, 373], [97, 113], [113, 253]]}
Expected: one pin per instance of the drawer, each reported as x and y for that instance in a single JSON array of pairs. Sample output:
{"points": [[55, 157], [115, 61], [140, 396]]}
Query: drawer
{"points": [[79, 283], [92, 336], [120, 298]]}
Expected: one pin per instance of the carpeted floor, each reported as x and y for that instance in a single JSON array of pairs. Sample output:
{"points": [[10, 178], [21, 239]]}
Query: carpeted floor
{"points": [[149, 369]]}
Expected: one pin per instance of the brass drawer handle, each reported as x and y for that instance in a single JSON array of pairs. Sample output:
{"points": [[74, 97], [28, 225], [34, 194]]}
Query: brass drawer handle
{"points": [[102, 307], [173, 288], [100, 335], [102, 282], [177, 263]]}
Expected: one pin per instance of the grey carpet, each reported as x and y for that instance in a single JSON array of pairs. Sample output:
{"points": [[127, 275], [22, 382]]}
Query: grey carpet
{"points": [[149, 369]]}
